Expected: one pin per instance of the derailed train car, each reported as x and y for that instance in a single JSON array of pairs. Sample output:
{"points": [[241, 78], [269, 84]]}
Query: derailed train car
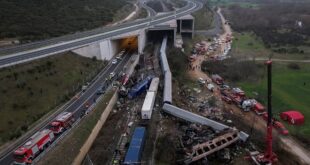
{"points": [[167, 94]]}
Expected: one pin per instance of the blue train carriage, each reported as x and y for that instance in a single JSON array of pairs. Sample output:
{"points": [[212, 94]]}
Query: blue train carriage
{"points": [[134, 152], [140, 87]]}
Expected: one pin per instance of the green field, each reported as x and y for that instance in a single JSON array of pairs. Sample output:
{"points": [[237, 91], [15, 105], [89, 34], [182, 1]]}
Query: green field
{"points": [[290, 89], [247, 42], [231, 2], [31, 90], [249, 45]]}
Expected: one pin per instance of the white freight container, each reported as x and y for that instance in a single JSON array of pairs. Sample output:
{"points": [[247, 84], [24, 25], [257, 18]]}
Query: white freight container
{"points": [[154, 85], [148, 105]]}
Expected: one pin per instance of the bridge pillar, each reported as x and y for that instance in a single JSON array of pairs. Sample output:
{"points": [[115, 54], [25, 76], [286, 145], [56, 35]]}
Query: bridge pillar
{"points": [[141, 41], [102, 50]]}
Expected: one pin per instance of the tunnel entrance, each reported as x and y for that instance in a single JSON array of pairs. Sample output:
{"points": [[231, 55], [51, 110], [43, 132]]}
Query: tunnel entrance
{"points": [[156, 36], [128, 44]]}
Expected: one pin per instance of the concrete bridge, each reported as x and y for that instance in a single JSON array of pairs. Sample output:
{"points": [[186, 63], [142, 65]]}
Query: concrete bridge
{"points": [[104, 43], [107, 48]]}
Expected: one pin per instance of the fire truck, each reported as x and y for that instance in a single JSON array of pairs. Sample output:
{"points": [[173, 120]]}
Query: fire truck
{"points": [[62, 122], [33, 147]]}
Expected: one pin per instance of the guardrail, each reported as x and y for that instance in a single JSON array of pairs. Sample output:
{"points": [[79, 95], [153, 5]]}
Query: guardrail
{"points": [[65, 38]]}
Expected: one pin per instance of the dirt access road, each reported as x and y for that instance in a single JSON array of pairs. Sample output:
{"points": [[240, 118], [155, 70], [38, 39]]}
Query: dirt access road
{"points": [[288, 143]]}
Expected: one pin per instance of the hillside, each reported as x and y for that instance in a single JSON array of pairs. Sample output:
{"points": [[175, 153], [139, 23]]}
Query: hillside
{"points": [[37, 19], [31, 90]]}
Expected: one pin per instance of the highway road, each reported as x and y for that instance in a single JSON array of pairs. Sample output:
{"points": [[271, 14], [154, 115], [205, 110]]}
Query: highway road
{"points": [[80, 42], [78, 106], [150, 11]]}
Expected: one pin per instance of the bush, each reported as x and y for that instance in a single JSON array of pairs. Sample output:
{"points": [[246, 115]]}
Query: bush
{"points": [[24, 128], [53, 18], [94, 58], [233, 69], [293, 66], [178, 63]]}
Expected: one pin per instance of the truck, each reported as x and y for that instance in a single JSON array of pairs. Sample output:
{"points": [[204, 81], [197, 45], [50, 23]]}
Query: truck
{"points": [[259, 109], [239, 92], [36, 144], [140, 87], [236, 99], [277, 125], [252, 104], [62, 122], [230, 97], [248, 105]]}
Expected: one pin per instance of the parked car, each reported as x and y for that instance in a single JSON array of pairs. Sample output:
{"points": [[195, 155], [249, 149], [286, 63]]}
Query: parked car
{"points": [[201, 81], [112, 74], [100, 92]]}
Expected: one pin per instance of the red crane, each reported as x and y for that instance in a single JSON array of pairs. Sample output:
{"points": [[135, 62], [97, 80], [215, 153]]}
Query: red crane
{"points": [[268, 157]]}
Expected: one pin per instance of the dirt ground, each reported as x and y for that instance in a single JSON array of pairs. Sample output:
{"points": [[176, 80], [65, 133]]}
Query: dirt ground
{"points": [[104, 145]]}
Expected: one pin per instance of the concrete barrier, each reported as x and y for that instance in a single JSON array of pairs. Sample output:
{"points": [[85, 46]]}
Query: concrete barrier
{"points": [[91, 138]]}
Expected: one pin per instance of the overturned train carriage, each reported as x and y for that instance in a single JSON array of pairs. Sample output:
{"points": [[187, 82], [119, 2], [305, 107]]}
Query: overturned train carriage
{"points": [[167, 94]]}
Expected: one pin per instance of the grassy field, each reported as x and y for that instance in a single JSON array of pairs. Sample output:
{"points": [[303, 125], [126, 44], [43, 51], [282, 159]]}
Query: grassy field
{"points": [[249, 45], [290, 89], [226, 3], [31, 90], [70, 146]]}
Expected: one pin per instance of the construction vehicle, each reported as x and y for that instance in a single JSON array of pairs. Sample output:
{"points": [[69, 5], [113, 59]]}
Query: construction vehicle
{"points": [[280, 127], [268, 157], [277, 125], [37, 143], [62, 122]]}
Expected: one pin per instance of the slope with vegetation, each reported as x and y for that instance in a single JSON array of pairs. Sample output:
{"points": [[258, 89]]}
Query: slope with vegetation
{"points": [[203, 18], [31, 90], [36, 19]]}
